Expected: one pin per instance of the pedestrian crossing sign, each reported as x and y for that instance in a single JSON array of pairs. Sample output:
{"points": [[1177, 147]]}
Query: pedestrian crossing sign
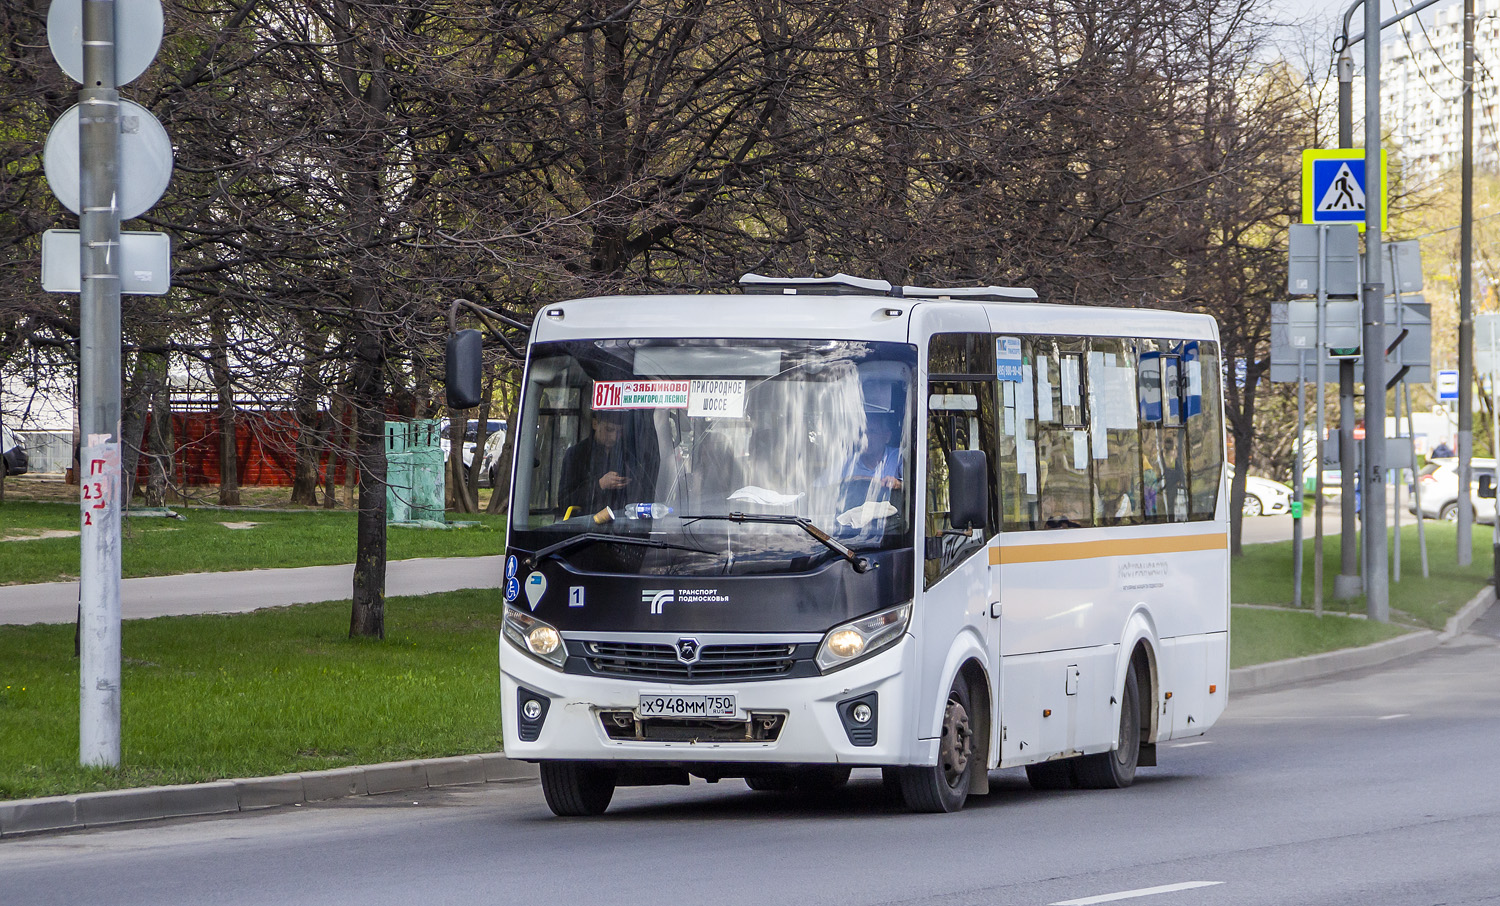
{"points": [[1334, 186]]}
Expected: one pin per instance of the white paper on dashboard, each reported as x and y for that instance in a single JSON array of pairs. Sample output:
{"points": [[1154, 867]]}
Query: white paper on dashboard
{"points": [[764, 496]]}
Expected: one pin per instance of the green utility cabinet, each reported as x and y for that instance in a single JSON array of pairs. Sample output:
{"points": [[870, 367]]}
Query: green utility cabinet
{"points": [[414, 471]]}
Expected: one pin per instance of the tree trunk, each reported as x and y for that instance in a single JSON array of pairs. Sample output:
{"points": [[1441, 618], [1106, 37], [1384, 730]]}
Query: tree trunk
{"points": [[456, 492], [482, 437], [133, 427], [500, 486], [159, 440], [334, 436], [367, 618], [229, 453], [310, 438]]}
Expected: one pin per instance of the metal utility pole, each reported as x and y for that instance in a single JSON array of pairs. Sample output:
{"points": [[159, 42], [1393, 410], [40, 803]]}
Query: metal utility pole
{"points": [[1377, 606], [1347, 583], [99, 386], [1466, 306]]}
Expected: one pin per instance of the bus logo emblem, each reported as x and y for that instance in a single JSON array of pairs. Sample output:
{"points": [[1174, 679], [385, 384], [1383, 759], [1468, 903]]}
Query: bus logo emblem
{"points": [[688, 651], [658, 599]]}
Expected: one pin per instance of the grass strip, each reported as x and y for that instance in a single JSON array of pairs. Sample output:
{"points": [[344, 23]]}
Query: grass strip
{"points": [[1261, 635], [245, 695], [202, 543]]}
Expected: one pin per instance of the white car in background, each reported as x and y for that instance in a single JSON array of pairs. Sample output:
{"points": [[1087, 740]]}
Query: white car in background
{"points": [[1439, 480], [471, 437], [1264, 497]]}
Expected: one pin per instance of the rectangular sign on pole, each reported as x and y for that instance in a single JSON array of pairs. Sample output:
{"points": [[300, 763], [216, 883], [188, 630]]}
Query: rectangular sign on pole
{"points": [[1334, 186], [145, 262], [1447, 386], [1341, 255]]}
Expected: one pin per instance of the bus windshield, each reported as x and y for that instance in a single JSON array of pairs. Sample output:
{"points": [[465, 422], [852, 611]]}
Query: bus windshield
{"points": [[659, 439]]}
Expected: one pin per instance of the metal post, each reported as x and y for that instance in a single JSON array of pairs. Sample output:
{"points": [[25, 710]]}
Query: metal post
{"points": [[1347, 583], [1301, 482], [1416, 484], [1396, 492], [1322, 421], [1495, 452], [1466, 305], [1377, 604], [99, 385]]}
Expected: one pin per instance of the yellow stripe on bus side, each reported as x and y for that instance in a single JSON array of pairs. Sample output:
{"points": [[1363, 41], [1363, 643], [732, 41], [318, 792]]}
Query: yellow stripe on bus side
{"points": [[1084, 550]]}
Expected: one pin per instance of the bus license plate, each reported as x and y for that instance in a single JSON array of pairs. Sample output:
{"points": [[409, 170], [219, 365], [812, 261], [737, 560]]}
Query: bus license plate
{"points": [[717, 706]]}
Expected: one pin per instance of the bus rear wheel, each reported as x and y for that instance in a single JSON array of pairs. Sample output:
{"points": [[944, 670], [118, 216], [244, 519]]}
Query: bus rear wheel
{"points": [[944, 787], [577, 789], [1115, 770]]}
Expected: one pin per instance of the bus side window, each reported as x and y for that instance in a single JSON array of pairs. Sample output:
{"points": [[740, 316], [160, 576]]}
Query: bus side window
{"points": [[1164, 458], [1064, 462], [1205, 425], [1114, 432], [1017, 460], [961, 416]]}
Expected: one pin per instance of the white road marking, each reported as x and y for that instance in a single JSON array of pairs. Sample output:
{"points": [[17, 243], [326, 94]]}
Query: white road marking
{"points": [[1131, 894], [1189, 745], [1392, 716]]}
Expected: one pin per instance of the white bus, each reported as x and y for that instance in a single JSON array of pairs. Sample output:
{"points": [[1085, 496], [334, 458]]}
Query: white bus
{"points": [[831, 524]]}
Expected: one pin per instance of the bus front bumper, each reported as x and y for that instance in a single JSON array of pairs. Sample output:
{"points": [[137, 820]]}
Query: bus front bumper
{"points": [[584, 717]]}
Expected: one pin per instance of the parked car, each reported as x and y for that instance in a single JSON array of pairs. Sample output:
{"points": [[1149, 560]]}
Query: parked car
{"points": [[1439, 480], [471, 437], [12, 454], [1264, 497], [489, 464]]}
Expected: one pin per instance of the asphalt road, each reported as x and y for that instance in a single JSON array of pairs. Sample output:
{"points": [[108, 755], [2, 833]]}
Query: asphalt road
{"points": [[1375, 788]]}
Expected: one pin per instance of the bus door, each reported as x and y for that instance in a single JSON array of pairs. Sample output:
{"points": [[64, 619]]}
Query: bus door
{"points": [[956, 570]]}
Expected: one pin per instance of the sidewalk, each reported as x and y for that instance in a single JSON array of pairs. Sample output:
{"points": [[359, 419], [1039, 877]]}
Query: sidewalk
{"points": [[241, 592]]}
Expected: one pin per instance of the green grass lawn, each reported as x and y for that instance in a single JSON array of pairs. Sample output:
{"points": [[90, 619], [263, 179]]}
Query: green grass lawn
{"points": [[1259, 636], [1264, 576], [281, 690], [201, 543]]}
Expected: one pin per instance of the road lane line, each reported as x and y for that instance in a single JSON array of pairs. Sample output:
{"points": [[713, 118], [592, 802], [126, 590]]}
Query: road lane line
{"points": [[1392, 716], [1131, 894], [1189, 745]]}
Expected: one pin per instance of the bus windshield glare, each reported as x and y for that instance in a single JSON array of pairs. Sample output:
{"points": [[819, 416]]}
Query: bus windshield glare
{"points": [[659, 440]]}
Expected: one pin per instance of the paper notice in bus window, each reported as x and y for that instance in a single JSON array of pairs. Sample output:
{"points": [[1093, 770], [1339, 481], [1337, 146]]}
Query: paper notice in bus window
{"points": [[640, 395], [1080, 450], [716, 399], [1008, 400], [1025, 411], [1070, 380], [1043, 390], [1120, 406]]}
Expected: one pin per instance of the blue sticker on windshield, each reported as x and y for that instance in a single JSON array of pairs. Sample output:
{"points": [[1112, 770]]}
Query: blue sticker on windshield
{"points": [[511, 564], [512, 589]]}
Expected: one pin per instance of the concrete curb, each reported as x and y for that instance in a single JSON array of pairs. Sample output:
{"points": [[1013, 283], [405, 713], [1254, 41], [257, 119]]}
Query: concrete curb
{"points": [[1315, 666], [85, 810]]}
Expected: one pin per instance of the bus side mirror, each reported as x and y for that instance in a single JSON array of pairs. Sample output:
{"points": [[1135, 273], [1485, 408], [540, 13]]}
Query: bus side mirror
{"points": [[464, 368], [1487, 486], [968, 489]]}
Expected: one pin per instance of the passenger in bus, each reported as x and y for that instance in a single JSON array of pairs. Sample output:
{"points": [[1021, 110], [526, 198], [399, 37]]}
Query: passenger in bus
{"points": [[1066, 492], [607, 468]]}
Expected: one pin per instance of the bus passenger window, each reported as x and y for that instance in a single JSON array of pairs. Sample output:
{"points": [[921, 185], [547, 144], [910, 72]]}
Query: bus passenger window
{"points": [[1164, 484], [1205, 425], [1065, 481], [1017, 463], [1114, 432]]}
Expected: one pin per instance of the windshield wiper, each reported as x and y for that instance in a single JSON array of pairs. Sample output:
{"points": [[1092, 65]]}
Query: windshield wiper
{"points": [[859, 563], [553, 550]]}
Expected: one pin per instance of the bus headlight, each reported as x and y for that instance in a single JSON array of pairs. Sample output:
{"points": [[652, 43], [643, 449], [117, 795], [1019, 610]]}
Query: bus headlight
{"points": [[843, 645], [534, 637]]}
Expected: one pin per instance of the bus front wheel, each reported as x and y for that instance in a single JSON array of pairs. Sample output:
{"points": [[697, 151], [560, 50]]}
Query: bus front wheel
{"points": [[1116, 769], [577, 789], [944, 787]]}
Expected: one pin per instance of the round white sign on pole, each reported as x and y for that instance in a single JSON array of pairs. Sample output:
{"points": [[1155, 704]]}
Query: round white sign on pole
{"points": [[138, 28], [145, 159]]}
